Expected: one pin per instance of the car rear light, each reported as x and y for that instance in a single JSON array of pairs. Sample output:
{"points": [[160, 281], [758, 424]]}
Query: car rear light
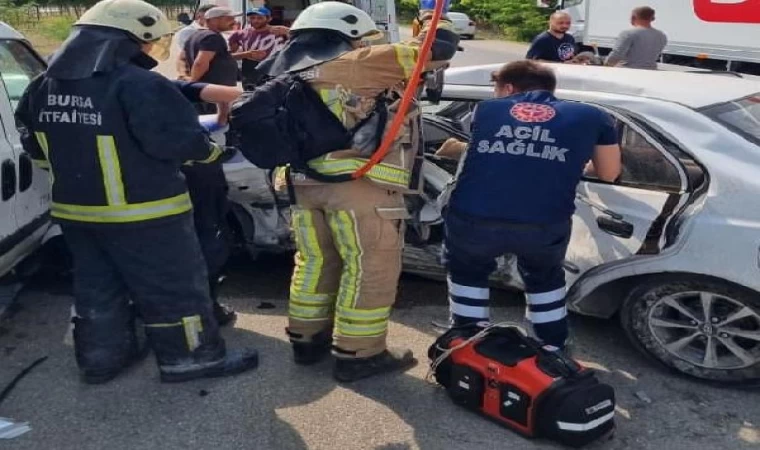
{"points": [[472, 24]]}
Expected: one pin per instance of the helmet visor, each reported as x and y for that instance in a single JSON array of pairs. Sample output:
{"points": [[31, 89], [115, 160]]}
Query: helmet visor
{"points": [[161, 48]]}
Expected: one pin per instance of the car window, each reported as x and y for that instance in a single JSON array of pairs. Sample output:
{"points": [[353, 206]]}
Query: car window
{"points": [[741, 116], [644, 165], [18, 67], [455, 15]]}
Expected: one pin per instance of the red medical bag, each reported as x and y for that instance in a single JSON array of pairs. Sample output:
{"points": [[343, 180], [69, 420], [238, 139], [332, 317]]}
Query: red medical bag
{"points": [[518, 382]]}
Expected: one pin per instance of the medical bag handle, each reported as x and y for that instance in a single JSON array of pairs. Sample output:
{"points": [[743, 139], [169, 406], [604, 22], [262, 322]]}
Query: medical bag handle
{"points": [[554, 358], [406, 100]]}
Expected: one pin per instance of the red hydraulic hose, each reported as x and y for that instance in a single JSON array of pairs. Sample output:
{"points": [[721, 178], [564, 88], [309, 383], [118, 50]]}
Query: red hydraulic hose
{"points": [[406, 100]]}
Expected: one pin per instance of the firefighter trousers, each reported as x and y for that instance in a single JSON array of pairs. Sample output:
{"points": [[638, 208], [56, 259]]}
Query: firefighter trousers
{"points": [[157, 266], [208, 188], [349, 239], [470, 250]]}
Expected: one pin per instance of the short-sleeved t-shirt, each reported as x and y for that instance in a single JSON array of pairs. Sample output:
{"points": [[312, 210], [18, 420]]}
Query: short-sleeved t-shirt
{"points": [[526, 156], [548, 48], [253, 39], [223, 68]]}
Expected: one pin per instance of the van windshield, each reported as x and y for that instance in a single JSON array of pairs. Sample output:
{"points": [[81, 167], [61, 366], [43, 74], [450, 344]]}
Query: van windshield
{"points": [[741, 116]]}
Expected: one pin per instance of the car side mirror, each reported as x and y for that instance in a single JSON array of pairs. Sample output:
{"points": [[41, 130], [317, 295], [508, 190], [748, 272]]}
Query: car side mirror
{"points": [[184, 19]]}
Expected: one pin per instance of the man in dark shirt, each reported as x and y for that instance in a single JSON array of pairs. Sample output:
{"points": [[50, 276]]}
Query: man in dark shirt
{"points": [[554, 45], [212, 63], [208, 58]]}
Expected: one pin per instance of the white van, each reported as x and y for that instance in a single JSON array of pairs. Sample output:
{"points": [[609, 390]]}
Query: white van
{"points": [[24, 188], [729, 43]]}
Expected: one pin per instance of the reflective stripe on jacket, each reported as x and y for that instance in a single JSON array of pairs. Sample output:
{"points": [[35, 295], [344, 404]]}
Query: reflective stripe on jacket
{"points": [[114, 144]]}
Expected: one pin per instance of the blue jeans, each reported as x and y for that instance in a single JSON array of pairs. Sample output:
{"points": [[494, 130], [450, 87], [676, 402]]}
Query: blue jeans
{"points": [[470, 250]]}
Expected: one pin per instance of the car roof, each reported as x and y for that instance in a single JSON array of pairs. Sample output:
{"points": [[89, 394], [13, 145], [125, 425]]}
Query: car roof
{"points": [[456, 13], [691, 89], [7, 32]]}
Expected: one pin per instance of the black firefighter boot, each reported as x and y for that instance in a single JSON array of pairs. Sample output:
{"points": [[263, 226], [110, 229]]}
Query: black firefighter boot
{"points": [[390, 360], [187, 351], [107, 346], [224, 314], [308, 353]]}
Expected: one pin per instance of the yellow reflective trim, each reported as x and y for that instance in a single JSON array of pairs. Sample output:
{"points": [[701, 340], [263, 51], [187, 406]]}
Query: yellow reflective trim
{"points": [[216, 152], [123, 213], [109, 165], [42, 163], [331, 99], [343, 225], [311, 299], [380, 172], [43, 142], [357, 330], [308, 312], [309, 258], [193, 328], [364, 314], [406, 58]]}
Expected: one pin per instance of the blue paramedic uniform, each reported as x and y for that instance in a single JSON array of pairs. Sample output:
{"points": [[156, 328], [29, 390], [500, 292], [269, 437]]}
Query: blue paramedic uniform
{"points": [[516, 194]]}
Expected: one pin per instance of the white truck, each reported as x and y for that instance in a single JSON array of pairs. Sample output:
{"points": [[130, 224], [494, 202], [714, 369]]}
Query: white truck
{"points": [[284, 12], [711, 34]]}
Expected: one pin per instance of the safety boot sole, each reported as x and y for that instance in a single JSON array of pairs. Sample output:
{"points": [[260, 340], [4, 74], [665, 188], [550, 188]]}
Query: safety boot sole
{"points": [[390, 361], [234, 363]]}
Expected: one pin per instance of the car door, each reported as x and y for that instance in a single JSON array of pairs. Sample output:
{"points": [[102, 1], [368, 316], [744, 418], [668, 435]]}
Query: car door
{"points": [[615, 221], [18, 66]]}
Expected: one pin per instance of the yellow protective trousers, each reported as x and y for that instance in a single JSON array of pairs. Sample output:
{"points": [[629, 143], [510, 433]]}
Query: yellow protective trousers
{"points": [[349, 238]]}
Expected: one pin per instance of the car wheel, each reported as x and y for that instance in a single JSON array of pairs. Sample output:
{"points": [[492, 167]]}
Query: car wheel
{"points": [[701, 327]]}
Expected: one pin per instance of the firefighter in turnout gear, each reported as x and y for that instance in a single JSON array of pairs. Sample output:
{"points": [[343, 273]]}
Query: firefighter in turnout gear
{"points": [[113, 135], [515, 194], [349, 235]]}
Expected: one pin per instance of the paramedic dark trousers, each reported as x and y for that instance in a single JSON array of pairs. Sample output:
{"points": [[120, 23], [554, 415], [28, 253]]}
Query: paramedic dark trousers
{"points": [[471, 249], [208, 191], [158, 266]]}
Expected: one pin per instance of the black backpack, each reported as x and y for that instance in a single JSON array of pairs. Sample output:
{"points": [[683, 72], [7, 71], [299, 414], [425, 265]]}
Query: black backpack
{"points": [[285, 122]]}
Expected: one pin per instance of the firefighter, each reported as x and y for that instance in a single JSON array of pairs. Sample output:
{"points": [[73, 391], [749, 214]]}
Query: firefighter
{"points": [[515, 194], [114, 135], [349, 235]]}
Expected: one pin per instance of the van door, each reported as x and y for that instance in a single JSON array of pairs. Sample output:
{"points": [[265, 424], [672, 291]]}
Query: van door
{"points": [[18, 66]]}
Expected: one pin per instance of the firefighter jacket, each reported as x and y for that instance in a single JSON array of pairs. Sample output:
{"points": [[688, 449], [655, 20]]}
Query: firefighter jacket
{"points": [[114, 143], [351, 84]]}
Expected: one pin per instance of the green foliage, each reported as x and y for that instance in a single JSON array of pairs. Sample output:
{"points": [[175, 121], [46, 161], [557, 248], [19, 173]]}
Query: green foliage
{"points": [[516, 19], [56, 28]]}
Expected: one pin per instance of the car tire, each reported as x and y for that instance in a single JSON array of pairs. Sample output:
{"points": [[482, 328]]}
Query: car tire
{"points": [[665, 319]]}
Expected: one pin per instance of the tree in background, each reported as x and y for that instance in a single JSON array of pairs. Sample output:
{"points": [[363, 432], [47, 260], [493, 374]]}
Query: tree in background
{"points": [[521, 20]]}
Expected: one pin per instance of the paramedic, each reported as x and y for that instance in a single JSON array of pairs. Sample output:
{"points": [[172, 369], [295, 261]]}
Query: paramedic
{"points": [[515, 194]]}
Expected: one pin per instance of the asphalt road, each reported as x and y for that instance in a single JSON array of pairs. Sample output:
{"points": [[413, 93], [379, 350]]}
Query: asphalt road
{"points": [[282, 406]]}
